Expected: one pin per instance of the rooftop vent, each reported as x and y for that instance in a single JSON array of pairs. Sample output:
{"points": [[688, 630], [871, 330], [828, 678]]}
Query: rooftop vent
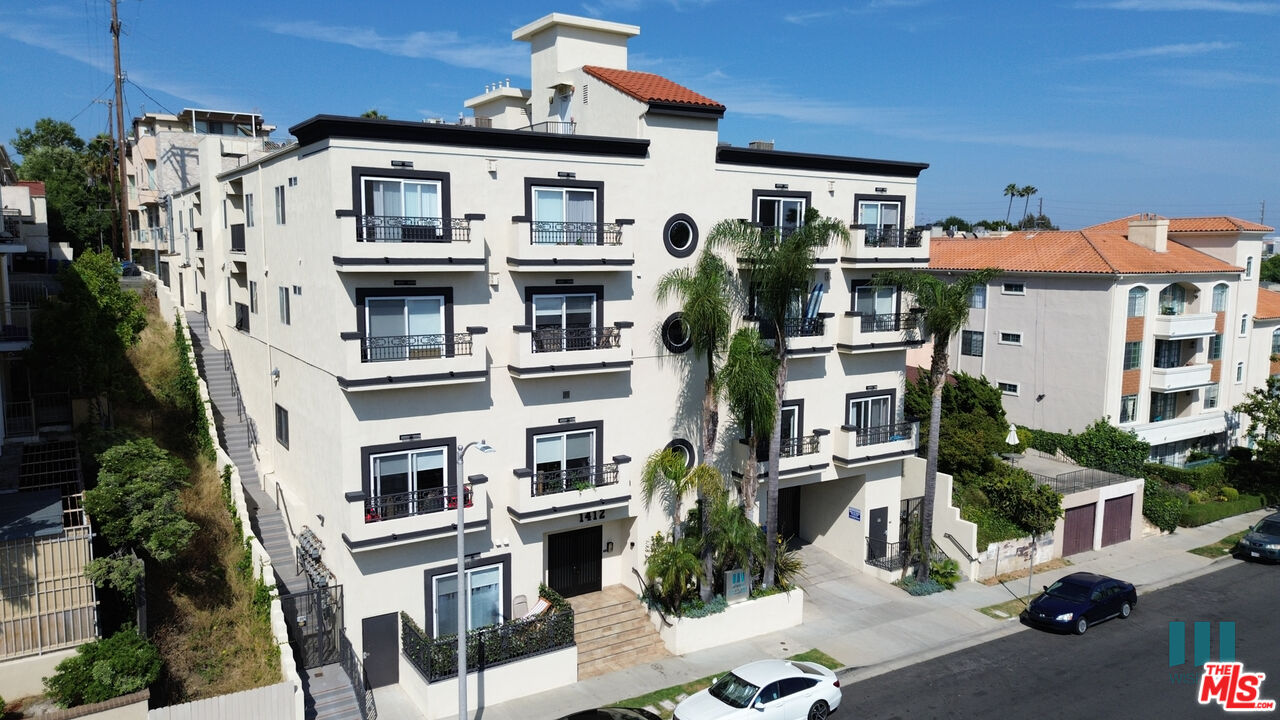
{"points": [[760, 144]]}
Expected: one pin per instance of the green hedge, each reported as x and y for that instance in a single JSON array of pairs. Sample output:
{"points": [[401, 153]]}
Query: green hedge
{"points": [[1197, 515], [1205, 477], [1101, 445], [1162, 505], [992, 526]]}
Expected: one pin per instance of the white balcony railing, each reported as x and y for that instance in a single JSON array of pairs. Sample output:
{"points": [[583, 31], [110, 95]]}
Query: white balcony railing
{"points": [[1176, 327], [1183, 377]]}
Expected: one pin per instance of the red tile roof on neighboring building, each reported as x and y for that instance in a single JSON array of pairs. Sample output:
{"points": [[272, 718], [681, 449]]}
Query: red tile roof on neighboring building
{"points": [[1268, 305], [647, 87], [37, 187], [1211, 224]]}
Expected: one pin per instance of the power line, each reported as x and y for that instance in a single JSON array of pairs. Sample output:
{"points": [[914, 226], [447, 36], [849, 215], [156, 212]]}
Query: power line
{"points": [[92, 102], [144, 92]]}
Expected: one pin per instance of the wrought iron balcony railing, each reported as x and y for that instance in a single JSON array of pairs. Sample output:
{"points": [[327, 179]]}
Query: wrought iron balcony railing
{"points": [[380, 348], [886, 555], [890, 322], [551, 482], [11, 230], [416, 502], [881, 434], [892, 237], [395, 228], [798, 446], [805, 327], [556, 339], [545, 232]]}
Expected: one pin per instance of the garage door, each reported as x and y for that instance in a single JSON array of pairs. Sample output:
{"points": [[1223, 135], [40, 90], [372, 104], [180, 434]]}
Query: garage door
{"points": [[1117, 519], [1077, 533]]}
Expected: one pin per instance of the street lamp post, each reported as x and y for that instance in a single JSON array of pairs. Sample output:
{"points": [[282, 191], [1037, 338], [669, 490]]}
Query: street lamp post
{"points": [[460, 500]]}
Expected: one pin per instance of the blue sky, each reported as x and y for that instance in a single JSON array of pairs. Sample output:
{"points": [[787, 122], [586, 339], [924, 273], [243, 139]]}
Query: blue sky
{"points": [[1109, 107]]}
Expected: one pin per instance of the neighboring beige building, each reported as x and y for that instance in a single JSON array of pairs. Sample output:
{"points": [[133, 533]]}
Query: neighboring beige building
{"points": [[1150, 322], [391, 291]]}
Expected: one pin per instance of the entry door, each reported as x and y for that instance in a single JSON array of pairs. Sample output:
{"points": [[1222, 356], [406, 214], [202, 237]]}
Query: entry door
{"points": [[1077, 531], [789, 513], [573, 561], [878, 531], [382, 649]]}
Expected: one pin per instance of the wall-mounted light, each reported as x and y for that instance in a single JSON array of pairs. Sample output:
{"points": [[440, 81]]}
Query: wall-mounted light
{"points": [[492, 166], [608, 547], [275, 374], [320, 518], [566, 175], [831, 186], [780, 186]]}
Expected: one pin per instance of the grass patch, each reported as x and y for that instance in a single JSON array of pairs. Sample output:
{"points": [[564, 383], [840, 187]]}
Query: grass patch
{"points": [[1007, 609], [1053, 564], [653, 699], [1221, 548]]}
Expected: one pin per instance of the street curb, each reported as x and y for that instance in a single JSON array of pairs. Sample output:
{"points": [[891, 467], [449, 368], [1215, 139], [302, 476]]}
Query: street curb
{"points": [[858, 674]]}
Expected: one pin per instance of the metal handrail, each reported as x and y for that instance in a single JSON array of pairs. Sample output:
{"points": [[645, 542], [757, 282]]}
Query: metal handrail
{"points": [[551, 482], [645, 591], [415, 502], [960, 547], [798, 446], [354, 669], [284, 505]]}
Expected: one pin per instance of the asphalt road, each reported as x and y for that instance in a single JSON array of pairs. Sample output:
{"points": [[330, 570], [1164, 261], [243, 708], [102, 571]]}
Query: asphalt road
{"points": [[1118, 669]]}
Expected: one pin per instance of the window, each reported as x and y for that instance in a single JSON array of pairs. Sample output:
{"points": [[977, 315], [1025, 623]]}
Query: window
{"points": [[565, 216], [1248, 267], [402, 209], [284, 305], [1010, 338], [293, 181], [248, 210], [568, 322], [1215, 347], [180, 226], [1128, 409], [971, 343], [484, 599], [680, 236], [1244, 324], [1008, 388], [675, 334], [1220, 297], [399, 328], [1014, 288], [873, 300], [1164, 406], [564, 461], [1172, 299], [1211, 397], [282, 426], [870, 411], [1168, 354], [242, 317], [1239, 372], [1138, 302], [882, 220], [1275, 342], [1132, 355], [253, 297], [978, 297], [228, 289], [783, 213], [226, 223], [279, 192], [407, 482]]}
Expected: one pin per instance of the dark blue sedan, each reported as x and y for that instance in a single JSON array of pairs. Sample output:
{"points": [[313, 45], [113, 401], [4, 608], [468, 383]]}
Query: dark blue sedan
{"points": [[1079, 600]]}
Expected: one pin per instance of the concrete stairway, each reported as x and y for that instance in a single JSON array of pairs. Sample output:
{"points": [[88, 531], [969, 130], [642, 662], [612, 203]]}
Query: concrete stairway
{"points": [[613, 632], [328, 691]]}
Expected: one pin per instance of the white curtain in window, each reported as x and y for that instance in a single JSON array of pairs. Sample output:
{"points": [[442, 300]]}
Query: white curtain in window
{"points": [[390, 474], [548, 451], [421, 200], [580, 206], [486, 597], [386, 198], [875, 300]]}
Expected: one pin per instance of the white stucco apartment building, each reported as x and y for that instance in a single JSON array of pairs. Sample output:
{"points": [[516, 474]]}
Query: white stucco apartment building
{"points": [[1148, 321], [392, 291]]}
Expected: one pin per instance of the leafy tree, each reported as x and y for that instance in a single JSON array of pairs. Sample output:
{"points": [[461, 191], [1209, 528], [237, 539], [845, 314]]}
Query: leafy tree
{"points": [[373, 113], [73, 177], [1014, 494], [118, 665], [994, 225], [136, 503], [953, 221], [974, 427], [704, 309], [1011, 191], [48, 133], [747, 380], [782, 263], [946, 308], [1270, 270], [1262, 406], [1107, 447]]}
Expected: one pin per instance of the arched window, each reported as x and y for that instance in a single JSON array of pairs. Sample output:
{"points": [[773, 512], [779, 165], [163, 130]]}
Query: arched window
{"points": [[1244, 324], [1138, 302], [1220, 297], [1172, 299]]}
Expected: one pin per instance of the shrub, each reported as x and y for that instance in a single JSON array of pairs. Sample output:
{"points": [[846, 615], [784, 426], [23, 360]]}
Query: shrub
{"points": [[1229, 493], [1162, 505], [1206, 477], [1014, 494], [945, 572], [1195, 497], [916, 587], [1101, 445], [1197, 515], [121, 664], [697, 608], [992, 526]]}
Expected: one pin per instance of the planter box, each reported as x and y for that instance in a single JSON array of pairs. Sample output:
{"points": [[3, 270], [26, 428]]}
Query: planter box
{"points": [[743, 620]]}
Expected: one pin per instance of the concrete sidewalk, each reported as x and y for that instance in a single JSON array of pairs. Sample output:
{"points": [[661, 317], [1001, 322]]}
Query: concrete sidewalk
{"points": [[874, 627]]}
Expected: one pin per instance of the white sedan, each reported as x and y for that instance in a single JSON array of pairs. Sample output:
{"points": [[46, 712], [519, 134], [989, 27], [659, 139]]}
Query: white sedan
{"points": [[766, 690]]}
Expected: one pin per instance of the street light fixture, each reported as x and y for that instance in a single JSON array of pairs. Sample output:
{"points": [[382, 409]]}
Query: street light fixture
{"points": [[459, 499]]}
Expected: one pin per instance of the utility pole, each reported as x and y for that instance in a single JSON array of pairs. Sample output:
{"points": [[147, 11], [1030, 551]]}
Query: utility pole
{"points": [[1262, 214], [1040, 213], [112, 179], [126, 248]]}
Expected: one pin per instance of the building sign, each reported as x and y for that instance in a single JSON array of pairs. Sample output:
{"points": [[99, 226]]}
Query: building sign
{"points": [[736, 588], [855, 514]]}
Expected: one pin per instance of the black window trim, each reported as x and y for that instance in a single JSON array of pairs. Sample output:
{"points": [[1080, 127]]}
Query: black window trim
{"points": [[893, 404], [561, 428], [859, 198], [858, 283], [368, 451], [364, 293], [531, 182], [285, 439], [430, 574], [359, 173], [531, 290]]}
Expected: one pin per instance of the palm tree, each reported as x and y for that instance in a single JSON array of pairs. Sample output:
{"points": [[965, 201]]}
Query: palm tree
{"points": [[373, 114], [781, 265], [1011, 190], [746, 381], [946, 309], [1026, 192], [666, 475], [704, 309]]}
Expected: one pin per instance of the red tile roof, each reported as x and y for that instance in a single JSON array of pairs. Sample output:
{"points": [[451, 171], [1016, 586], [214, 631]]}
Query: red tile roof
{"points": [[1095, 250], [1211, 224], [647, 87], [1268, 305], [37, 187]]}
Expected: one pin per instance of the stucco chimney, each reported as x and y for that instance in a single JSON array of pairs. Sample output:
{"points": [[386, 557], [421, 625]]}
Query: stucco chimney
{"points": [[565, 42], [1150, 231]]}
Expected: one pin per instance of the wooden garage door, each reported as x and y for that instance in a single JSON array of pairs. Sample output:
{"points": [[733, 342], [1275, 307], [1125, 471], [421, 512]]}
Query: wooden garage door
{"points": [[1117, 519], [1077, 533]]}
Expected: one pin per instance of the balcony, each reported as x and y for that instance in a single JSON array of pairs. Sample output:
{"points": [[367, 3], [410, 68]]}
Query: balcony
{"points": [[1210, 422], [44, 411], [391, 243], [805, 335], [796, 456], [558, 351], [1182, 377], [826, 251], [862, 446], [576, 490], [418, 515], [886, 555], [1179, 327], [11, 231], [15, 326], [899, 247], [389, 362], [869, 333], [557, 246], [418, 502]]}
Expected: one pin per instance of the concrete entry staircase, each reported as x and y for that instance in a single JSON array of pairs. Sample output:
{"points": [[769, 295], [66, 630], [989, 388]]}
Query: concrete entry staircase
{"points": [[613, 631]]}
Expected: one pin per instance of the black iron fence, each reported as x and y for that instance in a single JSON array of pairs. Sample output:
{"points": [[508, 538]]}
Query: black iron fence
{"points": [[315, 620], [437, 658], [797, 446], [380, 348], [1078, 480], [555, 339], [892, 237], [354, 669], [886, 555], [416, 502], [804, 327], [881, 434], [396, 228], [890, 322], [550, 482], [545, 232]]}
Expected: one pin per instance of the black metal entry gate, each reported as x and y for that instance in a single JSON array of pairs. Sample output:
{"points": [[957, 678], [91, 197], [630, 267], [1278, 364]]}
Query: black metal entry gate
{"points": [[314, 618]]}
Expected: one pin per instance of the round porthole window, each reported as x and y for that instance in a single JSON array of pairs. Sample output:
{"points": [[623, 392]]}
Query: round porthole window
{"points": [[675, 334], [680, 235], [682, 447]]}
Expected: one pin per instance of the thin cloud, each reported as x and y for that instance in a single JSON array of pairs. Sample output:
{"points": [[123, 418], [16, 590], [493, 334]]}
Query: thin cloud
{"points": [[1160, 51], [805, 18], [444, 46], [1212, 79], [603, 7], [1227, 6]]}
